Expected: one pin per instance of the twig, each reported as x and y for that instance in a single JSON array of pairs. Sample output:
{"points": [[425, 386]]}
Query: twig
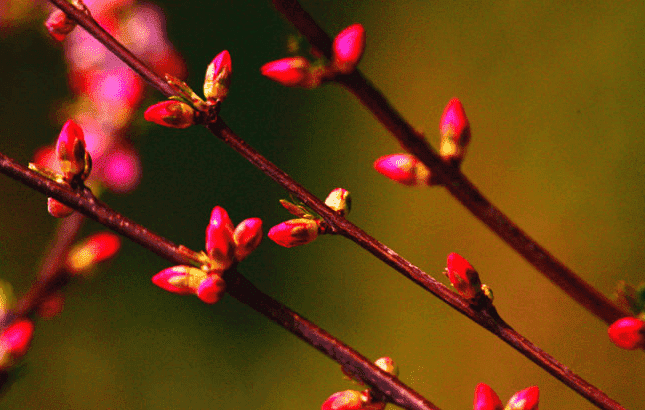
{"points": [[455, 181]]}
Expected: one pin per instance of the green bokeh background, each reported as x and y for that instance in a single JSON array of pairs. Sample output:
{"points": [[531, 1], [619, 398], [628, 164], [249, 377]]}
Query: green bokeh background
{"points": [[555, 96]]}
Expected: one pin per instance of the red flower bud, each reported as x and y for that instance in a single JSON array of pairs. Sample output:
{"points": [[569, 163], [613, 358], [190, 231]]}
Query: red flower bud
{"points": [[70, 150], [59, 25], [628, 333], [291, 72], [455, 132], [16, 338], [403, 168], [527, 399], [181, 279], [247, 236], [211, 289], [218, 77], [463, 276], [97, 248], [57, 209], [348, 48], [343, 400], [295, 232], [219, 238], [173, 114], [486, 398]]}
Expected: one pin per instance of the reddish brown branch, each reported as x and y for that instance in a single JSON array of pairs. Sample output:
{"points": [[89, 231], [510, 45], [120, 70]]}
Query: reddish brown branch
{"points": [[456, 182]]}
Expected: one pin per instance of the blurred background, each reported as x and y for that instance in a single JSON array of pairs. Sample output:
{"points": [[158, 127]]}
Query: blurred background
{"points": [[554, 93]]}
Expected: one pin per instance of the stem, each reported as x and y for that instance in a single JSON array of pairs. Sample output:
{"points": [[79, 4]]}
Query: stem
{"points": [[489, 319], [238, 286], [455, 181]]}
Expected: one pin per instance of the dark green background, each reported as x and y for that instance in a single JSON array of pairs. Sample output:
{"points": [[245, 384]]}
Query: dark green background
{"points": [[555, 96]]}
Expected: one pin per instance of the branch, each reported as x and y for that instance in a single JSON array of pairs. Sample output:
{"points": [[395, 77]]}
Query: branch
{"points": [[455, 181], [238, 286], [488, 319]]}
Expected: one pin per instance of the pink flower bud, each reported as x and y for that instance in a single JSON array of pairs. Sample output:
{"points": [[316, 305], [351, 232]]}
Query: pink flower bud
{"points": [[173, 114], [463, 276], [97, 248], [403, 168], [218, 77], [70, 150], [348, 48], [295, 232], [343, 400], [527, 399], [211, 289], [219, 238], [181, 279], [486, 398], [16, 338], [121, 172], [455, 132], [247, 236], [57, 209], [291, 72], [628, 333], [59, 25], [52, 306], [387, 365], [340, 201]]}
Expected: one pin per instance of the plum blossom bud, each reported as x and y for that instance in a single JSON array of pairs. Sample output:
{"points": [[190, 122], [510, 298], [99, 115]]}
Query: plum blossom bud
{"points": [[463, 276], [218, 77], [97, 248], [290, 72], [70, 150], [211, 289], [628, 333], [340, 201], [58, 209], [343, 400], [486, 398], [219, 238], [295, 232], [527, 399], [348, 48], [247, 236], [181, 279], [387, 365], [173, 114], [59, 25], [403, 168], [16, 338], [455, 132]]}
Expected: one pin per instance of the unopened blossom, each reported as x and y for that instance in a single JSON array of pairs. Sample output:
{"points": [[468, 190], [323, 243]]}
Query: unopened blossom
{"points": [[387, 365], [70, 151], [218, 77], [340, 201], [344, 400], [348, 48], [211, 289], [463, 276], [15, 339], [219, 238], [527, 399], [628, 333], [486, 398], [455, 132], [58, 209], [121, 171], [95, 249], [295, 232], [403, 168], [170, 113], [291, 72], [59, 25], [181, 279], [247, 236]]}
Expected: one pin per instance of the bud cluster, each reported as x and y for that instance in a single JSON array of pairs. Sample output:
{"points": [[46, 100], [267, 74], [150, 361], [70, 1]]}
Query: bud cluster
{"points": [[225, 245]]}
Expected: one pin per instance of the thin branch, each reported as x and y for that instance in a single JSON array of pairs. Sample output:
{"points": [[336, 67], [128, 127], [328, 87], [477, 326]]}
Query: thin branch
{"points": [[455, 181], [489, 319], [237, 286]]}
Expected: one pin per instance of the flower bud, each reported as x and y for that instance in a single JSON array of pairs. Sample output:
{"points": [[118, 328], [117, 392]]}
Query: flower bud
{"points": [[290, 72], [455, 132], [171, 113], [219, 238], [527, 399], [340, 201], [57, 209], [348, 48], [16, 338], [52, 306], [403, 168], [463, 276], [59, 25], [628, 333], [486, 398], [211, 289], [295, 232], [218, 77], [70, 150], [343, 400], [97, 248], [180, 279], [387, 365], [247, 236]]}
